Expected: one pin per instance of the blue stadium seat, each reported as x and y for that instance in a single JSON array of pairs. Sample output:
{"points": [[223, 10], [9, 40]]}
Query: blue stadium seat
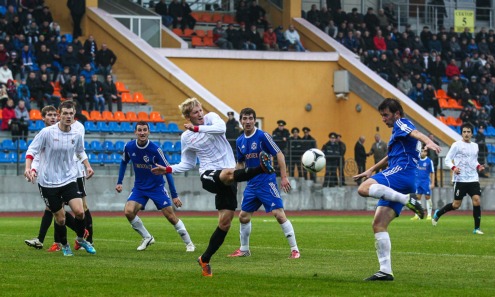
{"points": [[32, 126], [158, 144], [119, 146], [108, 146], [127, 127], [161, 128], [87, 147], [97, 146], [102, 158], [8, 145], [92, 158], [12, 157], [168, 146], [69, 37], [91, 127], [114, 127], [21, 143], [115, 158], [40, 125], [22, 158], [177, 147], [4, 157], [103, 127], [491, 148], [175, 159], [153, 128], [173, 128], [490, 131]]}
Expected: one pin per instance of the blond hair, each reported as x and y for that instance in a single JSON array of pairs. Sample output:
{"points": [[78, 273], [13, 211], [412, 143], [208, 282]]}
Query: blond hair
{"points": [[187, 106]]}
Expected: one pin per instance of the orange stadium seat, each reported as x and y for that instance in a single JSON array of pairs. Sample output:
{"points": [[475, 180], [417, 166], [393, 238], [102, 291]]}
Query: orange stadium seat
{"points": [[178, 32], [143, 116], [208, 41], [209, 33], [217, 17], [85, 113], [34, 115], [126, 98], [155, 117], [205, 17], [95, 116], [443, 103], [196, 41], [107, 116], [0, 114], [131, 116], [196, 15], [138, 97], [228, 19], [452, 103], [121, 87], [119, 116], [440, 93], [200, 33], [188, 32]]}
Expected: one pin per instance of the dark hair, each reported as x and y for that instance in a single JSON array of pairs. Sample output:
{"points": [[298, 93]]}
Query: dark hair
{"points": [[67, 104], [141, 123], [247, 111], [467, 125], [392, 104]]}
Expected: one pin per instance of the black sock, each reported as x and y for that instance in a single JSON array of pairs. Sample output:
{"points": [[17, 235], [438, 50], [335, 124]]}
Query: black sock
{"points": [[79, 227], [46, 221], [216, 241], [448, 207], [477, 216], [70, 221], [245, 174], [61, 233], [88, 220]]}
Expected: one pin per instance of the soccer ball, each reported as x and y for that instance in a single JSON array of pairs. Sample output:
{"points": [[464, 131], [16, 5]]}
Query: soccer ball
{"points": [[313, 160]]}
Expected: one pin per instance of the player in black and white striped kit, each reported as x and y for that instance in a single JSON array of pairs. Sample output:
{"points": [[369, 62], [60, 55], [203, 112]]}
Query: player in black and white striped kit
{"points": [[57, 177]]}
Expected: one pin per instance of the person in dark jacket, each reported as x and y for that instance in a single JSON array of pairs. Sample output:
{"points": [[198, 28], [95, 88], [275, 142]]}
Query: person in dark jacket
{"points": [[77, 9], [332, 152], [105, 58], [360, 157], [111, 94]]}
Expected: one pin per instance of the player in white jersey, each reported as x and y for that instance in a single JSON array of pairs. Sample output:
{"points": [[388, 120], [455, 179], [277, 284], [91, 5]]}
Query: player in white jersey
{"points": [[462, 158], [204, 138], [57, 174]]}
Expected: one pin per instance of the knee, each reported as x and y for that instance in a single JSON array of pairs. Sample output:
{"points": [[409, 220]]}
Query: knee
{"points": [[130, 214], [79, 214], [225, 225], [363, 190]]}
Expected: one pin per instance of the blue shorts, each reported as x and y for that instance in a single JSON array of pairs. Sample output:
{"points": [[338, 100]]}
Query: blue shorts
{"points": [[423, 189], [266, 194], [398, 179], [159, 196]]}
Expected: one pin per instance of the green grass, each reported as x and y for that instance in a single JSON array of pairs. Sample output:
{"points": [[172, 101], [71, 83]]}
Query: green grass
{"points": [[337, 253]]}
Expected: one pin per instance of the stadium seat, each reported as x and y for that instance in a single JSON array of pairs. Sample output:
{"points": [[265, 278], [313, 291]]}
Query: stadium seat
{"points": [[85, 113], [152, 128], [102, 158], [107, 116], [91, 127], [108, 159], [95, 116], [205, 17], [452, 103], [161, 128], [217, 17], [4, 157], [35, 115], [103, 127], [155, 117], [8, 145], [32, 126], [121, 87], [131, 116], [177, 147], [119, 116], [69, 37], [119, 146], [143, 116], [108, 146], [173, 128], [12, 157], [157, 142], [200, 33], [196, 15], [126, 98], [228, 19], [22, 157], [92, 158], [127, 127], [138, 97], [97, 146], [188, 33], [178, 32], [196, 41], [0, 114], [168, 146], [443, 103], [490, 131], [208, 41], [175, 159], [114, 127], [21, 145], [115, 158], [87, 147]]}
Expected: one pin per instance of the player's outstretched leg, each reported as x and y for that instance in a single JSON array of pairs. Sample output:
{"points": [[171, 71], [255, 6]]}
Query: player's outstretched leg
{"points": [[415, 205]]}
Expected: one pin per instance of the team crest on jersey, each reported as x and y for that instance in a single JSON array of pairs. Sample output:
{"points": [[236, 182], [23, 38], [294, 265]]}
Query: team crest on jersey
{"points": [[254, 145], [73, 141], [146, 159]]}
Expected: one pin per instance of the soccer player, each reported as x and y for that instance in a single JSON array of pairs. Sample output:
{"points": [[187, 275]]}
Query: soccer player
{"points": [[144, 154], [424, 181], [462, 158], [57, 176], [392, 184], [262, 189], [205, 139]]}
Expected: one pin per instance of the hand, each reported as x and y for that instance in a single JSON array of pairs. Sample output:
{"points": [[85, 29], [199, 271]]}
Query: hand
{"points": [[160, 170], [89, 172], [118, 188], [366, 174], [457, 170], [285, 184], [481, 168], [30, 175], [177, 202], [433, 146], [189, 126]]}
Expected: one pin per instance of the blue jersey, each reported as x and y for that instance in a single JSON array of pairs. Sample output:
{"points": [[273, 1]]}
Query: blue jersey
{"points": [[403, 150], [424, 169], [248, 150], [143, 159]]}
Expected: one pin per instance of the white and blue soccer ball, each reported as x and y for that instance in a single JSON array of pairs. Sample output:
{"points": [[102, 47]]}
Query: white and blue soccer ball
{"points": [[313, 160]]}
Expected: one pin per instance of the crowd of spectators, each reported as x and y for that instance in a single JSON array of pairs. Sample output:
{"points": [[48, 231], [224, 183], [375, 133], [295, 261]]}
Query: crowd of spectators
{"points": [[419, 63]]}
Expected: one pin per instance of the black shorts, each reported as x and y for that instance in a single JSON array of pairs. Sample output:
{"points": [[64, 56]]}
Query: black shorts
{"points": [[81, 184], [55, 198], [226, 196], [470, 188]]}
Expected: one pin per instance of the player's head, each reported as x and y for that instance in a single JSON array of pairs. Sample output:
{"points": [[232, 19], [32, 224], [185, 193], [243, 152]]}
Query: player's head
{"points": [[390, 110], [192, 111], [49, 115], [142, 131], [467, 132], [67, 111], [424, 151], [247, 116]]}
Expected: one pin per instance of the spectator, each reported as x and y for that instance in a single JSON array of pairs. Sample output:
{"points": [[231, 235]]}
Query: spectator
{"points": [[187, 19], [282, 42], [8, 117], [34, 85], [111, 94], [257, 15], [244, 38], [378, 149], [232, 131], [5, 74], [95, 93], [455, 87], [233, 36], [405, 84], [343, 149], [270, 39], [69, 58], [325, 18], [161, 9], [379, 42], [87, 71], [313, 16], [371, 20], [220, 37], [254, 40], [24, 94], [90, 47], [105, 58], [452, 70], [360, 157], [293, 38], [308, 143], [296, 150], [382, 19], [21, 120], [431, 100], [15, 66], [69, 88], [332, 152], [77, 9], [176, 12], [242, 12], [281, 137], [355, 17], [436, 71], [485, 100], [482, 148], [417, 95]]}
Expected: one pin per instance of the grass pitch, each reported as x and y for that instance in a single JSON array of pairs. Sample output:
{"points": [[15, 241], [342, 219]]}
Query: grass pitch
{"points": [[336, 254]]}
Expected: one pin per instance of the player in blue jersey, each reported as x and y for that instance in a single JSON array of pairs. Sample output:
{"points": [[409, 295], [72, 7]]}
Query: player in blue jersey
{"points": [[392, 184], [262, 189], [144, 154], [424, 182]]}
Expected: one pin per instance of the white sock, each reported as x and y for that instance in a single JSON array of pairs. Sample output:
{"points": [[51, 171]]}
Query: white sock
{"points": [[383, 192], [245, 232], [383, 247], [429, 207], [138, 225], [290, 235], [181, 229]]}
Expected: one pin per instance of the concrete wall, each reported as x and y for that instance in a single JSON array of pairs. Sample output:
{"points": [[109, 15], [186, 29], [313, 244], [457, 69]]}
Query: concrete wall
{"points": [[17, 195]]}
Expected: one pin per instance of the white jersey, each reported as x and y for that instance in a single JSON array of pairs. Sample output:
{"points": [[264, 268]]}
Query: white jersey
{"points": [[208, 144], [464, 156], [79, 128], [56, 149]]}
